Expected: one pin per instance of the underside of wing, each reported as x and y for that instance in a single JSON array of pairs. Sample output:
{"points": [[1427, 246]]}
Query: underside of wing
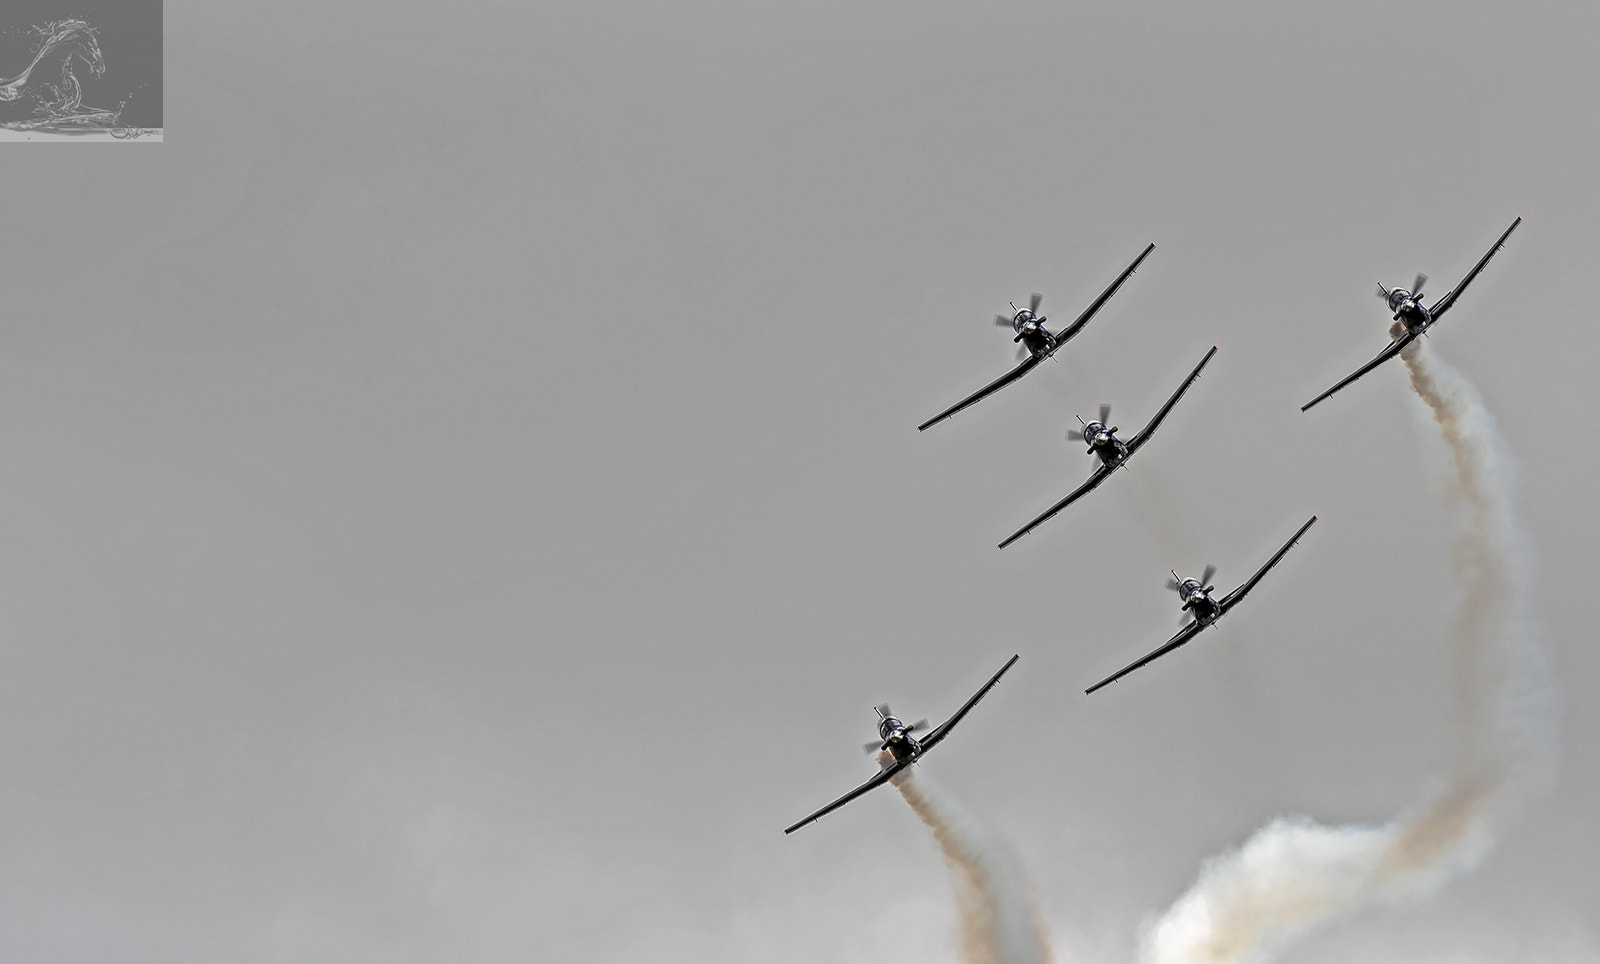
{"points": [[1232, 598], [1150, 428], [1184, 635], [1394, 349], [1100, 474], [1105, 296], [1449, 299], [879, 780], [984, 392], [939, 732]]}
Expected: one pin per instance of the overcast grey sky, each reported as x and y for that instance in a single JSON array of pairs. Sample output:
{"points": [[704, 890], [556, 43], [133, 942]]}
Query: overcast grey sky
{"points": [[463, 494]]}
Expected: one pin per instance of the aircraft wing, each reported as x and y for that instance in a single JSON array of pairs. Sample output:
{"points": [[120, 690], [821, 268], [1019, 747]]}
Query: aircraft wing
{"points": [[1100, 474], [1184, 635], [1395, 347], [1443, 304], [1150, 429], [1105, 296], [879, 780], [984, 392], [943, 729], [1232, 598]]}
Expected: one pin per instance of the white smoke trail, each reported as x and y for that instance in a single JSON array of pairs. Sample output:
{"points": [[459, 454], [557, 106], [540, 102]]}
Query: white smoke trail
{"points": [[1295, 875], [999, 919]]}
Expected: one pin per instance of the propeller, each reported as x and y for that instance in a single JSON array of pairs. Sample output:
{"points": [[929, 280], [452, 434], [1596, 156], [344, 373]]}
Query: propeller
{"points": [[1033, 302], [877, 745], [1416, 286], [1022, 353], [1001, 321], [1105, 413], [1205, 577], [883, 711]]}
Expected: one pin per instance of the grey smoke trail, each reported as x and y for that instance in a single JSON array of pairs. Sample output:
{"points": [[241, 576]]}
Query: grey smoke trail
{"points": [[1295, 875], [999, 919]]}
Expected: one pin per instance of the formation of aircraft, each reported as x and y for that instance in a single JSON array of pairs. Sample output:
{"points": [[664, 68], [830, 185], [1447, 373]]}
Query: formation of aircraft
{"points": [[1411, 318], [898, 745], [1200, 608], [1037, 341], [1113, 452], [903, 747]]}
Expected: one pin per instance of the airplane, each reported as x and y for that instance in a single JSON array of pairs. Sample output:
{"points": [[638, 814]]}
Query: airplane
{"points": [[1114, 452], [1199, 603], [1412, 318], [896, 737], [1038, 342]]}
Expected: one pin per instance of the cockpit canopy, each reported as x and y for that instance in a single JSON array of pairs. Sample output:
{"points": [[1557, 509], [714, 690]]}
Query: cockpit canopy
{"points": [[1024, 319], [1398, 297], [888, 725], [1188, 586], [1091, 431]]}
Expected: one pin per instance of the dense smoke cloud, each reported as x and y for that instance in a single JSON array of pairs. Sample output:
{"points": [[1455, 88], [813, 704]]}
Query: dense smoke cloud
{"points": [[1295, 875]]}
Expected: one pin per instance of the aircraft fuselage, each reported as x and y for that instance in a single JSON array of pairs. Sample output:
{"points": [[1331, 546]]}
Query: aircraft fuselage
{"points": [[1197, 601], [1409, 310], [898, 741], [1103, 441], [1032, 333]]}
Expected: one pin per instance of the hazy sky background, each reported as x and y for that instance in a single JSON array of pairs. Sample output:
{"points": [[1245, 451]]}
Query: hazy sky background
{"points": [[463, 495]]}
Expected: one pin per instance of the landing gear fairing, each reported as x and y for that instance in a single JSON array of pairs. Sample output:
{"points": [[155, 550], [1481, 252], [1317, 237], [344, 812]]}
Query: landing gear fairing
{"points": [[898, 740], [1037, 341]]}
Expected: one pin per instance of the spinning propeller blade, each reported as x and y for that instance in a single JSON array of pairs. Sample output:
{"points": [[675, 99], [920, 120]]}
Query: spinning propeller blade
{"points": [[1416, 286], [1022, 353], [921, 724], [1105, 413], [1205, 579], [883, 711], [1033, 302], [1001, 321], [871, 748]]}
